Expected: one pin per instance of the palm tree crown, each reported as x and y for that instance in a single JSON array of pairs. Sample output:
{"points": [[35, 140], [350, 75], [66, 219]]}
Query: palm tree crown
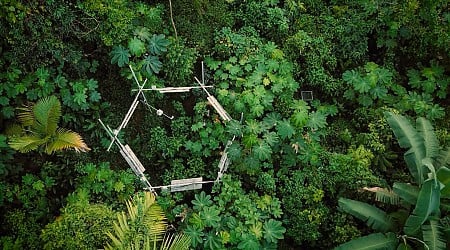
{"points": [[40, 128]]}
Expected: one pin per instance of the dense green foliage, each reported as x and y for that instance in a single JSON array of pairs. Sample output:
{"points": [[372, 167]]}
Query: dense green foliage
{"points": [[303, 167]]}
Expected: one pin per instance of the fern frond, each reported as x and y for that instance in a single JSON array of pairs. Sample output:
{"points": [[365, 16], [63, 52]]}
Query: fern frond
{"points": [[66, 139], [430, 140], [433, 235], [384, 195]]}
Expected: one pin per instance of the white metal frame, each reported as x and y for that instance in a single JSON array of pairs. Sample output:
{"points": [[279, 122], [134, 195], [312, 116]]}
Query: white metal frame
{"points": [[131, 158]]}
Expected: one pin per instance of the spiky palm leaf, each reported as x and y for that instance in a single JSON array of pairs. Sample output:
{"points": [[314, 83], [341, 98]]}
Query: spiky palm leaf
{"points": [[66, 139], [176, 242], [374, 241], [410, 139], [144, 222], [41, 128], [433, 236], [27, 143], [47, 112], [374, 217]]}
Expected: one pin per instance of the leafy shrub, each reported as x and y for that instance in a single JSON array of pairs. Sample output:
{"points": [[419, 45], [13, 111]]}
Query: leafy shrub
{"points": [[103, 184], [81, 225], [23, 231], [231, 219]]}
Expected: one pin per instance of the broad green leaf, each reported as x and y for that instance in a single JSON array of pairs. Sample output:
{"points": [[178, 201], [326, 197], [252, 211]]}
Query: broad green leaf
{"points": [[407, 192], [379, 92], [212, 241], [250, 140], [300, 118], [210, 216], [136, 46], [273, 230], [430, 140], [158, 44], [152, 64], [427, 204], [211, 63], [8, 112], [352, 77], [285, 129], [374, 217], [433, 235], [375, 241], [120, 55], [443, 175], [262, 151], [234, 151], [410, 139], [142, 33], [249, 242], [271, 138], [271, 120], [317, 120], [201, 200], [384, 75], [4, 100], [195, 234]]}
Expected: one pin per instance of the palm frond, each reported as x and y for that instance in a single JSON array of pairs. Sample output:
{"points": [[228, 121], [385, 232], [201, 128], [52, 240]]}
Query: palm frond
{"points": [[384, 195], [26, 116], [374, 241], [410, 139], [374, 217], [47, 112], [66, 139], [25, 144], [147, 222], [176, 242], [433, 235]]}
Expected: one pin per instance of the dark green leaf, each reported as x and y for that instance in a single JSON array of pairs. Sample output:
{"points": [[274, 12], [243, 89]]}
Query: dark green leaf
{"points": [[375, 241], [262, 151], [273, 230], [201, 200], [152, 65], [427, 204], [136, 46], [120, 55], [195, 234], [158, 44], [285, 129]]}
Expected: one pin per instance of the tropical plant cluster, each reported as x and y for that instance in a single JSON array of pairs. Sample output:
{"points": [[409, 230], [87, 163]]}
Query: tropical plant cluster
{"points": [[338, 139]]}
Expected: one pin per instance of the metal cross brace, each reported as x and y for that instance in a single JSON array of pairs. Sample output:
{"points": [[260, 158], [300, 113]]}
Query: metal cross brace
{"points": [[172, 89], [129, 157], [223, 114]]}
